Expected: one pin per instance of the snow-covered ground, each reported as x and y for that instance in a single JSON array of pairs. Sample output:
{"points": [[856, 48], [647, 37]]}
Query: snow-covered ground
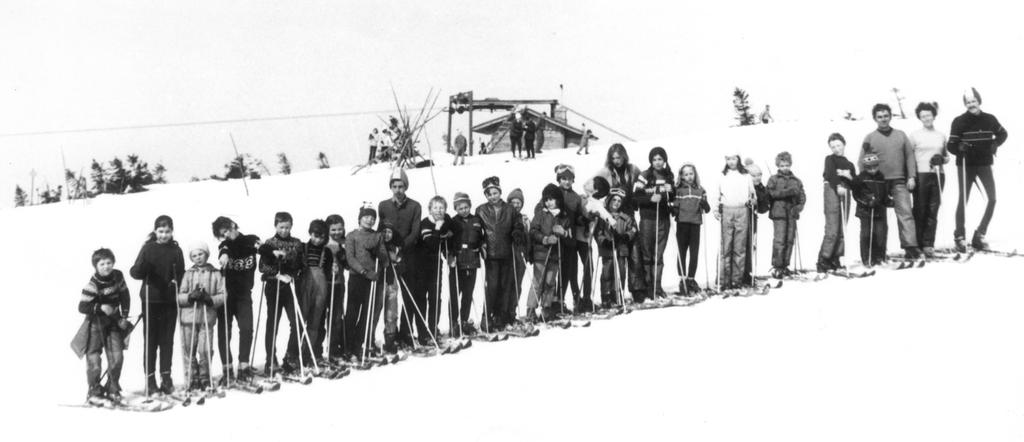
{"points": [[928, 354]]}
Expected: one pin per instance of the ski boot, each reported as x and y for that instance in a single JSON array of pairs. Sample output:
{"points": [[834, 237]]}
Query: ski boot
{"points": [[692, 286], [151, 385], [978, 242], [166, 384], [913, 253], [271, 367], [244, 372], [778, 273], [290, 366], [961, 244], [390, 345], [531, 316], [929, 252], [468, 329]]}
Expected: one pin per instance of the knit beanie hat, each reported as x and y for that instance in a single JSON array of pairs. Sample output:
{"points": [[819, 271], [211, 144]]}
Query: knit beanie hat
{"points": [[199, 245], [367, 210], [601, 187], [969, 92], [491, 182], [399, 174], [318, 226], [565, 171], [552, 191], [616, 192], [460, 196], [752, 169], [871, 160], [657, 151], [516, 194], [387, 224]]}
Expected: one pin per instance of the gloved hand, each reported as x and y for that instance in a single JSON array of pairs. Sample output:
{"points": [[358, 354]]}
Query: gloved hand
{"points": [[656, 198], [550, 240], [372, 275], [224, 261], [124, 323], [205, 298], [937, 160], [964, 146], [841, 191], [195, 295], [558, 230]]}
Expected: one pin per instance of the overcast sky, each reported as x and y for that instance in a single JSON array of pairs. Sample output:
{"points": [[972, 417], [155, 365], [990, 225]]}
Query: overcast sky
{"points": [[648, 69]]}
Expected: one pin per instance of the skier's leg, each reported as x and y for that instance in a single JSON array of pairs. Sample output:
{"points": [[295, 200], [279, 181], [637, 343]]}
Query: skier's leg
{"points": [[984, 173], [780, 227], [904, 215], [241, 309], [169, 320]]}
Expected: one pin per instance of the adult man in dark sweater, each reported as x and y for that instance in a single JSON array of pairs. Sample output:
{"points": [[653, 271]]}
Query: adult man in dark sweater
{"points": [[403, 214], [974, 138], [899, 166]]}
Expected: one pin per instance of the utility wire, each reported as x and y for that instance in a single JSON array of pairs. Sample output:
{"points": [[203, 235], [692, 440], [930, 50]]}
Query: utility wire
{"points": [[599, 124]]}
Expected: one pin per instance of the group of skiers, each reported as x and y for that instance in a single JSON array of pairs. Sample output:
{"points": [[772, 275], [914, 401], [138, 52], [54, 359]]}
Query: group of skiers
{"points": [[395, 256]]}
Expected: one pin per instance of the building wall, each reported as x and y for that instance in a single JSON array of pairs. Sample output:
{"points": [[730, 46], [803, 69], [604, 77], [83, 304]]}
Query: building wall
{"points": [[551, 137]]}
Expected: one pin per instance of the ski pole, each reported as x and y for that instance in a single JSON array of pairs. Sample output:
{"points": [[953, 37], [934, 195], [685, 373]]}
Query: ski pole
{"points": [[330, 319], [707, 268], [369, 309], [296, 307], [752, 231], [871, 239], [209, 348], [145, 286], [963, 196], [192, 347], [259, 315], [272, 357], [226, 353], [304, 331], [616, 274], [543, 284], [408, 321], [402, 283], [515, 280], [842, 232], [458, 298], [655, 282], [486, 320]]}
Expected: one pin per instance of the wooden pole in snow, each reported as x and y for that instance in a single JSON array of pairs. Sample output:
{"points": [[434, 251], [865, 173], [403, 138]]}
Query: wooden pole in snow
{"points": [[241, 163]]}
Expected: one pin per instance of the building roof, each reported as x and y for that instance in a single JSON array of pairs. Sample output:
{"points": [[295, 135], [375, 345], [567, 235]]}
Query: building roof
{"points": [[490, 126]]}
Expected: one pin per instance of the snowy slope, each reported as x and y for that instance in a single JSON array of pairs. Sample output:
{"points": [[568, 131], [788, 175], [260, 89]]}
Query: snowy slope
{"points": [[911, 352]]}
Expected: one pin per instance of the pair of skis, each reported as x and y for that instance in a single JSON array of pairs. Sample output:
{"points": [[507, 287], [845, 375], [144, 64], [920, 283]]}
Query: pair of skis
{"points": [[133, 403]]}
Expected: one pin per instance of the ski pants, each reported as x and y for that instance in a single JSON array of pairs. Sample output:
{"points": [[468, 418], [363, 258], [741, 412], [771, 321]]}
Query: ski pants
{"points": [[277, 306], [529, 148], [195, 341], [161, 320], [335, 316], [609, 269], [545, 278], [735, 229], [833, 243], [688, 242], [459, 304], [972, 173], [356, 312], [636, 272], [873, 236], [652, 254], [927, 198], [498, 282], [570, 270], [104, 337], [426, 298], [239, 307], [313, 297], [519, 267], [517, 143], [904, 212], [782, 242]]}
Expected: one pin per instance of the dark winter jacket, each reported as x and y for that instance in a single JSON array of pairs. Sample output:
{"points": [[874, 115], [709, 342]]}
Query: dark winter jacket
{"points": [[981, 136], [763, 201], [624, 178], [500, 229], [787, 196], [241, 268], [690, 202], [530, 130], [161, 267], [467, 239], [317, 256], [338, 253], [105, 296], [871, 191], [572, 206], [649, 180], [623, 232], [205, 278], [432, 243], [404, 217], [833, 164], [290, 264], [542, 227], [362, 249], [516, 130]]}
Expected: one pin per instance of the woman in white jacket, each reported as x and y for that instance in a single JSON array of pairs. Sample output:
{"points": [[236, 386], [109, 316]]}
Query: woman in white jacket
{"points": [[735, 194]]}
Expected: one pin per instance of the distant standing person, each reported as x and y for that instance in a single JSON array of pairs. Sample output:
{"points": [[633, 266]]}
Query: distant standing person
{"points": [[930, 151], [899, 166], [974, 138], [384, 141], [373, 147], [530, 134], [584, 141], [766, 115], [460, 148], [515, 133]]}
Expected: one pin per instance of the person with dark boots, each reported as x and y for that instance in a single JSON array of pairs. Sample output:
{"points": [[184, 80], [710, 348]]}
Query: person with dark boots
{"points": [[279, 265], [404, 215], [237, 255], [435, 243], [871, 191], [898, 164], [572, 205], [930, 151], [838, 175], [622, 174], [460, 149], [467, 239], [515, 133], [974, 138], [501, 231], [521, 253], [314, 287], [788, 198], [202, 293], [160, 266], [392, 282], [363, 252], [550, 227], [333, 328], [657, 190], [689, 207], [105, 303], [529, 135], [614, 240]]}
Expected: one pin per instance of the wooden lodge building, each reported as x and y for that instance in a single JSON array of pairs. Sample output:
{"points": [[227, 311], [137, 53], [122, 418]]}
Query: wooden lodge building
{"points": [[551, 132]]}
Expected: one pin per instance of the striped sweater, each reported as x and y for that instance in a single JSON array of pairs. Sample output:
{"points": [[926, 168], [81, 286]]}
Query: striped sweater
{"points": [[107, 293]]}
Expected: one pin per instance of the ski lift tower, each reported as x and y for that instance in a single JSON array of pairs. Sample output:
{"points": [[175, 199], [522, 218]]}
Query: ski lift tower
{"points": [[464, 102]]}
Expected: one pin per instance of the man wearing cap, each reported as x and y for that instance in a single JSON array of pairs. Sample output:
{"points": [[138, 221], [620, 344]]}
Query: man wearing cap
{"points": [[898, 164], [974, 138], [501, 230], [403, 215]]}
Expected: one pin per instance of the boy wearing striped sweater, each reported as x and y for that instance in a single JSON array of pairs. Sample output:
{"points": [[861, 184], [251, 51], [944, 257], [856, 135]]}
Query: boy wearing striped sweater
{"points": [[105, 302]]}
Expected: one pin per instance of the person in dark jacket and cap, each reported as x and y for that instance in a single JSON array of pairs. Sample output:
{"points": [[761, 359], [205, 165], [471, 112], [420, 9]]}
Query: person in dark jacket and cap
{"points": [[502, 230], [657, 189], [404, 215]]}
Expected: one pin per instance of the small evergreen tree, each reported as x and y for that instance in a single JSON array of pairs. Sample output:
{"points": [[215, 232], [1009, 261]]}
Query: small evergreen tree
{"points": [[138, 173], [20, 197], [115, 177], [158, 174], [322, 161], [99, 182], [245, 164], [284, 166], [742, 105], [75, 185]]}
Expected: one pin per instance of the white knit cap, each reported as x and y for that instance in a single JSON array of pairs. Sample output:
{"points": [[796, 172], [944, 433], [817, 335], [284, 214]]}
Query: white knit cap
{"points": [[198, 245]]}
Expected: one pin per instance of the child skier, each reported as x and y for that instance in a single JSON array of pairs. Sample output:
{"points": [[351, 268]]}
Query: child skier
{"points": [[787, 201], [871, 191], [314, 287], [572, 205], [160, 266], [502, 231], [614, 240], [105, 303], [520, 251], [467, 239], [280, 263], [201, 294], [363, 250], [237, 255], [657, 182], [735, 198], [435, 242], [390, 284], [333, 327], [549, 228], [838, 174], [689, 207]]}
